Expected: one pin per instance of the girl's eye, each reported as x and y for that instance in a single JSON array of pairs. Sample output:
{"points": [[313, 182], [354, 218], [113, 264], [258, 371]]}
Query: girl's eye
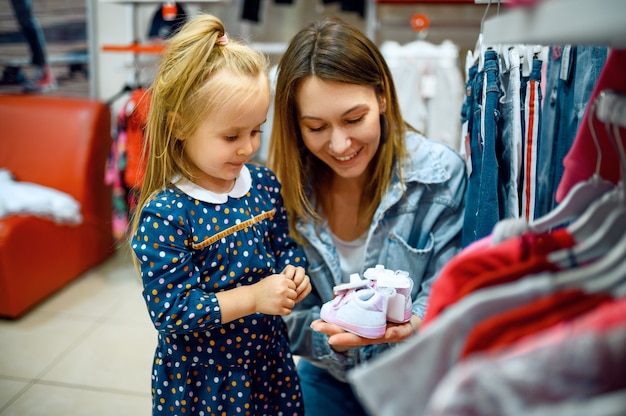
{"points": [[354, 120], [231, 138]]}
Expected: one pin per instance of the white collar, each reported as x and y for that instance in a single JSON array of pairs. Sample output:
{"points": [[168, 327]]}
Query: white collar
{"points": [[243, 182]]}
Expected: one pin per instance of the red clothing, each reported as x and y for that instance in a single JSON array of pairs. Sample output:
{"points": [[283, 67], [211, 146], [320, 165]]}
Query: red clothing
{"points": [[505, 261], [504, 329]]}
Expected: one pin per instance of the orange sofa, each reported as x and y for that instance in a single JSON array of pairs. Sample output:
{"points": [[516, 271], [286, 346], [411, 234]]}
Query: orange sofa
{"points": [[61, 143]]}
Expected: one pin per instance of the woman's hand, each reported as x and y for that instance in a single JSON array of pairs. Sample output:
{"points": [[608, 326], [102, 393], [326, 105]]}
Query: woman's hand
{"points": [[341, 340]]}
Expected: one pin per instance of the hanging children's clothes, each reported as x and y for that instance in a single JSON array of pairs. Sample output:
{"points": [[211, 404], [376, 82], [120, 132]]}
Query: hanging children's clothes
{"points": [[124, 171], [514, 142], [580, 162], [495, 384], [429, 84], [473, 269], [572, 72], [539, 301]]}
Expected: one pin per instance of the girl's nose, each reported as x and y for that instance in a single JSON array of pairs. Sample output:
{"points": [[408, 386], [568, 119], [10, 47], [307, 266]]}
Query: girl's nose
{"points": [[247, 146]]}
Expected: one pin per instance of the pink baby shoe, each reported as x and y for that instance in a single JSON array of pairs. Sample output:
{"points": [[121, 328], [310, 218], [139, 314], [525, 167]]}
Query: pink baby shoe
{"points": [[362, 311], [400, 305]]}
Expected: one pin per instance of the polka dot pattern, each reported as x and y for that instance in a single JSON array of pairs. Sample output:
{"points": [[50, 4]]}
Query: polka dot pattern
{"points": [[202, 367]]}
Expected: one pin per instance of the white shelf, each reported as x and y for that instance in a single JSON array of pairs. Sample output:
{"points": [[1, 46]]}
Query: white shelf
{"points": [[559, 22]]}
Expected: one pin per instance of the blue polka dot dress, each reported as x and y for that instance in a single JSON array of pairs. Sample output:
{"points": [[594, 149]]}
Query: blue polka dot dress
{"points": [[192, 243]]}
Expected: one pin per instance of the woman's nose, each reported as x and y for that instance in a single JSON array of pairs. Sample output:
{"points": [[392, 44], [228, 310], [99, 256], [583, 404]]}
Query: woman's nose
{"points": [[339, 141]]}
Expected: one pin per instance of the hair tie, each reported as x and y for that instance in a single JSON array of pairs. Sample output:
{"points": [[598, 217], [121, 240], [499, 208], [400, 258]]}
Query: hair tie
{"points": [[222, 40]]}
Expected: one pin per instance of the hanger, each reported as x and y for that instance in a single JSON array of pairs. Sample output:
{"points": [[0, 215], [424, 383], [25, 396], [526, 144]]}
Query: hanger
{"points": [[608, 220], [125, 89], [481, 47], [581, 195], [607, 274]]}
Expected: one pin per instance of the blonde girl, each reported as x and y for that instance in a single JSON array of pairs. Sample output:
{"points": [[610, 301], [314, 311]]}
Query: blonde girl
{"points": [[210, 235]]}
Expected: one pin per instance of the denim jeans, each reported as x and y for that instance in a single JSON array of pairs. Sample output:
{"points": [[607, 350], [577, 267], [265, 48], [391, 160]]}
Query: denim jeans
{"points": [[324, 395], [473, 154], [488, 213], [31, 29], [532, 101], [481, 209], [572, 73], [510, 136]]}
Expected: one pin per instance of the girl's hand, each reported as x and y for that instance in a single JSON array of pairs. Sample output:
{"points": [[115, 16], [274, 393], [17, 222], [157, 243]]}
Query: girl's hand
{"points": [[341, 340], [300, 278], [275, 295]]}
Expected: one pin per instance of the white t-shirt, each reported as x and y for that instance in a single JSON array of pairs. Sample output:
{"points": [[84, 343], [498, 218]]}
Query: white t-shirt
{"points": [[351, 254]]}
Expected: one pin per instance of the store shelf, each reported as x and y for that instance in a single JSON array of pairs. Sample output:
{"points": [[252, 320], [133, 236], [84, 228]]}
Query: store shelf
{"points": [[554, 22]]}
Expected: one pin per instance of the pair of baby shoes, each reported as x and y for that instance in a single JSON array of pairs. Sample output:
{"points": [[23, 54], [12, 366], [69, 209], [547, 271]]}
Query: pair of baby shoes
{"points": [[364, 306]]}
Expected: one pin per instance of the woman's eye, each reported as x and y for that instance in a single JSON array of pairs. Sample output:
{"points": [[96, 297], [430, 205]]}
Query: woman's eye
{"points": [[316, 129], [354, 120]]}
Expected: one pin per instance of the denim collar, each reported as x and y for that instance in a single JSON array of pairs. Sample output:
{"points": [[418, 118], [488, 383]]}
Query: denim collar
{"points": [[424, 164]]}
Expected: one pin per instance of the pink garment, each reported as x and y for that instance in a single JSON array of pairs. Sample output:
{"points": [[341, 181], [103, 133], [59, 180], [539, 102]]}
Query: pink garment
{"points": [[605, 317], [580, 162]]}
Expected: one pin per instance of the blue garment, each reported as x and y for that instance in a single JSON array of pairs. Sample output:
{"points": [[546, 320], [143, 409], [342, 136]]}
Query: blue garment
{"points": [[191, 244], [473, 148], [572, 73], [434, 183], [31, 29], [510, 149], [482, 209], [531, 138], [324, 396], [488, 213]]}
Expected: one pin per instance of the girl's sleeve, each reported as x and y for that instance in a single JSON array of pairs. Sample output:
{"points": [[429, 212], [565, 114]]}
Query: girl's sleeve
{"points": [[176, 302]]}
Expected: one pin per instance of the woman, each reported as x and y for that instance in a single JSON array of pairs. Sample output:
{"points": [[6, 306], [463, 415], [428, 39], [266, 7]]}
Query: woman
{"points": [[361, 188]]}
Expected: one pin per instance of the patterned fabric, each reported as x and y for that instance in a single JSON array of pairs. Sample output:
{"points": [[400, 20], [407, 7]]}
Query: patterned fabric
{"points": [[124, 170], [191, 248]]}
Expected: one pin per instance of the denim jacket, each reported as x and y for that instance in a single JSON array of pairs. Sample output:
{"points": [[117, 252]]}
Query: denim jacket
{"points": [[417, 230]]}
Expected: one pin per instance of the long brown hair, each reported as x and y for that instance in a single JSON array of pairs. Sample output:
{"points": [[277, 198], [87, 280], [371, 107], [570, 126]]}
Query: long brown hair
{"points": [[332, 50]]}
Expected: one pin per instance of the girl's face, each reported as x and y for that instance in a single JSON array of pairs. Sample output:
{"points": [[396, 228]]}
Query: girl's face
{"points": [[340, 124], [227, 139]]}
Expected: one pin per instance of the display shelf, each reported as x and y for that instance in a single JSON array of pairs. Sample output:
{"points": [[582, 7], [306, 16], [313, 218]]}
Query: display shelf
{"points": [[559, 22]]}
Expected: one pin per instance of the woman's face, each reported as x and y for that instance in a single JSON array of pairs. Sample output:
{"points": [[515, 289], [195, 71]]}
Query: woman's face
{"points": [[340, 124]]}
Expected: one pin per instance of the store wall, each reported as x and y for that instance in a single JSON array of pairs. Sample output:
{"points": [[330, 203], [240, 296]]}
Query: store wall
{"points": [[114, 22]]}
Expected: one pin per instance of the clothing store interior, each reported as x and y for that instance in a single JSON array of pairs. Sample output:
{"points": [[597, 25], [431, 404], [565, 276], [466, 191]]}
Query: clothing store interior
{"points": [[545, 159]]}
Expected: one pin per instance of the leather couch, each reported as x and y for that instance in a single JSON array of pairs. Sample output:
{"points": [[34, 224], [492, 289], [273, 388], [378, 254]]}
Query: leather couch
{"points": [[61, 143]]}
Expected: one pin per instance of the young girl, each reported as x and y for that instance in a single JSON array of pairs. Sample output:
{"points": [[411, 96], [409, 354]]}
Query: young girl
{"points": [[211, 235]]}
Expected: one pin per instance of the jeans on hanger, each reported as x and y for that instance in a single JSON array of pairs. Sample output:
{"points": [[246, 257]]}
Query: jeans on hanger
{"points": [[531, 129], [473, 153], [482, 208], [571, 76], [510, 135]]}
